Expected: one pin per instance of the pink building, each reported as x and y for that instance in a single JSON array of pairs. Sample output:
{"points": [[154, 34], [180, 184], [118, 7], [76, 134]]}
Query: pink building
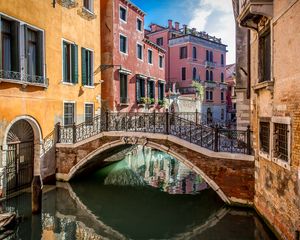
{"points": [[194, 56], [230, 95], [133, 67]]}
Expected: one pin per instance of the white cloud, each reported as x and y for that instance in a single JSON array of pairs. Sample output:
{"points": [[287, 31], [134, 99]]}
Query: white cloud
{"points": [[216, 18]]}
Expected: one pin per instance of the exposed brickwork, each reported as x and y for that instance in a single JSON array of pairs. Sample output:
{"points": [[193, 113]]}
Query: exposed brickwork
{"points": [[234, 177]]}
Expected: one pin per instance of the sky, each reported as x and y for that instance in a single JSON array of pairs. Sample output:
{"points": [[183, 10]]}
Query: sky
{"points": [[213, 16]]}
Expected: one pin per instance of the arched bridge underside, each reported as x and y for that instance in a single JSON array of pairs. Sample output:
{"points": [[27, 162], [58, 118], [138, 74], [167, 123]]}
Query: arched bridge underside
{"points": [[230, 175]]}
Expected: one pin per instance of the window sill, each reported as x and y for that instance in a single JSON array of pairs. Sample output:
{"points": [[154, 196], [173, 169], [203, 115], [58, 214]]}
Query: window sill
{"points": [[124, 104], [86, 13], [268, 85], [68, 83], [277, 161], [87, 86]]}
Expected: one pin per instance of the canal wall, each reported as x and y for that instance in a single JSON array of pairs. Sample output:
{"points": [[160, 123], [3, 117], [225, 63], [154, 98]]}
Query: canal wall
{"points": [[230, 175]]}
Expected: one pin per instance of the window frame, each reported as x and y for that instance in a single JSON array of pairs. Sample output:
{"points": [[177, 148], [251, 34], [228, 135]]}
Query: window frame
{"points": [[150, 50], [93, 111], [92, 68], [137, 24], [183, 74], [265, 154], [162, 41], [74, 112], [195, 53], [122, 35], [90, 8], [137, 51], [262, 55], [126, 13], [183, 54], [160, 61], [126, 97]]}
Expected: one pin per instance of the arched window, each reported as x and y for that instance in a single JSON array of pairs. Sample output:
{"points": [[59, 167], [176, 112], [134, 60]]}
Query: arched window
{"points": [[211, 57], [194, 74], [222, 77], [211, 76], [207, 75], [194, 53], [207, 55], [222, 59]]}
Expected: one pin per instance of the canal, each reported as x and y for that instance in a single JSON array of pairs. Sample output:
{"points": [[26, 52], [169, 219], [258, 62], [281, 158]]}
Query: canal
{"points": [[146, 195]]}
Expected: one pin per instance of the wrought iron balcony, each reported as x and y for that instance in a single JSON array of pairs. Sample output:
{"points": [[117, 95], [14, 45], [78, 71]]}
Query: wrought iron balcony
{"points": [[67, 3], [252, 11], [223, 86], [209, 64], [210, 84], [22, 78]]}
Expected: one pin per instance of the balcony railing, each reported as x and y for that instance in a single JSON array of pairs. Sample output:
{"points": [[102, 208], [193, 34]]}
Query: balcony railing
{"points": [[209, 64], [208, 84], [223, 86], [22, 78]]}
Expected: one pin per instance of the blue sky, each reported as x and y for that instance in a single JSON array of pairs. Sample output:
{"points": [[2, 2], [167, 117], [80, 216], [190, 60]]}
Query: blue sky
{"points": [[212, 16]]}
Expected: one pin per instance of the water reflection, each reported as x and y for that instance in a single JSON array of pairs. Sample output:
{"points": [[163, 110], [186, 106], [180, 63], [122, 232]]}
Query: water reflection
{"points": [[131, 200]]}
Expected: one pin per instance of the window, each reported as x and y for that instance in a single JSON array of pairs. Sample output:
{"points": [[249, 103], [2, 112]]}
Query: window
{"points": [[222, 59], [123, 44], [183, 73], [70, 62], [194, 74], [264, 137], [211, 56], [222, 114], [151, 91], [140, 90], [222, 77], [183, 52], [281, 142], [222, 96], [160, 41], [209, 95], [139, 24], [194, 53], [139, 51], [123, 14], [123, 88], [88, 112], [207, 55], [161, 61], [88, 4], [10, 47], [161, 91], [69, 113], [150, 56], [265, 57], [87, 67], [211, 76], [207, 75]]}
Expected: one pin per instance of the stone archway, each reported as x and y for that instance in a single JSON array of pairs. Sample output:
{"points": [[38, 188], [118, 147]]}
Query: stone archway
{"points": [[21, 155]]}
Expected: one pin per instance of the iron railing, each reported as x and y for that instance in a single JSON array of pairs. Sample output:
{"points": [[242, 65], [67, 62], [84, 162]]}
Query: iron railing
{"points": [[22, 78], [214, 138]]}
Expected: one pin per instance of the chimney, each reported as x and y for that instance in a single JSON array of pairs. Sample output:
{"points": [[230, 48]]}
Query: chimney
{"points": [[177, 26], [184, 29], [170, 24], [152, 27]]}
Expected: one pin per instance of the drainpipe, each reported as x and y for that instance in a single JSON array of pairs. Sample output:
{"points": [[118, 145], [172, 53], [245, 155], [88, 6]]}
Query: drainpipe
{"points": [[248, 65]]}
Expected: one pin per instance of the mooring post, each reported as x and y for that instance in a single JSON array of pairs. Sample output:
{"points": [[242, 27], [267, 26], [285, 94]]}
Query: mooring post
{"points": [[36, 199]]}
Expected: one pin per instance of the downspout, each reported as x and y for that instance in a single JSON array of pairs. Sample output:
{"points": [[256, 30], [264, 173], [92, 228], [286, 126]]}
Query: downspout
{"points": [[248, 65]]}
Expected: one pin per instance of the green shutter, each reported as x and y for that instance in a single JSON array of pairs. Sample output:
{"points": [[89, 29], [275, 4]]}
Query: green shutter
{"points": [[142, 88], [15, 59], [83, 66], [138, 91], [65, 62], [74, 63]]}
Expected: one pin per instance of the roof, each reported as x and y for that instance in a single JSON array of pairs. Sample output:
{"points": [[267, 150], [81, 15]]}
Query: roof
{"points": [[146, 40], [131, 4]]}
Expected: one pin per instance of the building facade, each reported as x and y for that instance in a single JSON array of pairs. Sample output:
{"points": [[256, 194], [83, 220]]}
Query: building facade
{"points": [[134, 67], [194, 56], [231, 93], [49, 53], [275, 114]]}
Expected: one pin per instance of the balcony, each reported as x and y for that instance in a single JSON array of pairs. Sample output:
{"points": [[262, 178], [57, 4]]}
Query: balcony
{"points": [[209, 64], [23, 79], [223, 86], [67, 3], [209, 84], [252, 11]]}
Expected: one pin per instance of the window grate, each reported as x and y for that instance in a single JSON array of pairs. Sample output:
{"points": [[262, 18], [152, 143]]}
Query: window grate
{"points": [[281, 141], [264, 137]]}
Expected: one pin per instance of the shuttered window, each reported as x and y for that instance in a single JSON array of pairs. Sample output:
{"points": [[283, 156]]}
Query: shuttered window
{"points": [[139, 51], [265, 57], [150, 57], [88, 112], [161, 61], [123, 88], [69, 113], [140, 89], [70, 63], [161, 91], [87, 67], [151, 90], [123, 44]]}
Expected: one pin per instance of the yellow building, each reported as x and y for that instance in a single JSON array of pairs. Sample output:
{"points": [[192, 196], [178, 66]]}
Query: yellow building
{"points": [[49, 56]]}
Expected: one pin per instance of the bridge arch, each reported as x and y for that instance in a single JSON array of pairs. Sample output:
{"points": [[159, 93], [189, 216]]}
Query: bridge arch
{"points": [[146, 142]]}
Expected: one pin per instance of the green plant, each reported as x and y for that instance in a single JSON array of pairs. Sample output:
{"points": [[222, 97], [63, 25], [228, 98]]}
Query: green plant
{"points": [[199, 88], [161, 102], [143, 100], [152, 100]]}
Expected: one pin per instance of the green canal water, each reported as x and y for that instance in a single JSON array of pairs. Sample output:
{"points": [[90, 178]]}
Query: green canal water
{"points": [[147, 195]]}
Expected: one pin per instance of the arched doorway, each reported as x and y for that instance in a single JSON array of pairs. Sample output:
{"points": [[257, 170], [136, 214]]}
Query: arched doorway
{"points": [[19, 156]]}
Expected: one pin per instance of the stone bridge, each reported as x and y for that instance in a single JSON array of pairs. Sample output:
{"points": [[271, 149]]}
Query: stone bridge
{"points": [[202, 148]]}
